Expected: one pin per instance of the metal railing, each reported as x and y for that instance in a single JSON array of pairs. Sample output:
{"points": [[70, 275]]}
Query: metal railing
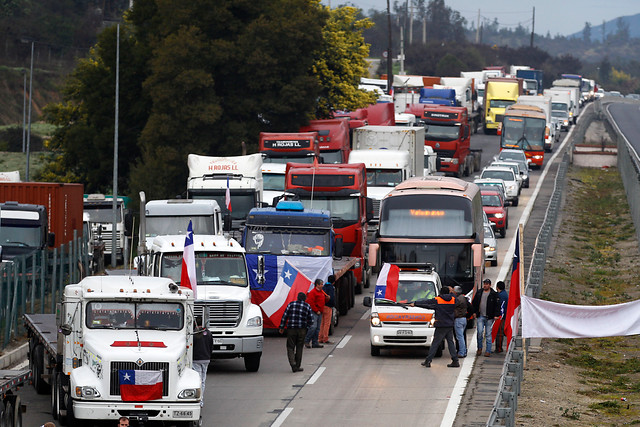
{"points": [[33, 283]]}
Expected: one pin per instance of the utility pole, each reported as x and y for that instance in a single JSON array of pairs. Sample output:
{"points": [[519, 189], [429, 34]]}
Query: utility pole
{"points": [[478, 29], [411, 25], [114, 225], [24, 110], [30, 102], [533, 26], [401, 56], [424, 30], [389, 65]]}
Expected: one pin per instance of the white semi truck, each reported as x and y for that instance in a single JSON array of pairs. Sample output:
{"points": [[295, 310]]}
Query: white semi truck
{"points": [[209, 178], [223, 299], [100, 210], [107, 328]]}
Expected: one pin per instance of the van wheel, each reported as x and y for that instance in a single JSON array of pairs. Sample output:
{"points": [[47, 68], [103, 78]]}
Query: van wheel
{"points": [[375, 351]]}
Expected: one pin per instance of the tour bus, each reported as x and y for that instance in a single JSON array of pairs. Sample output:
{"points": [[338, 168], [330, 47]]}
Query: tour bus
{"points": [[433, 220], [524, 127]]}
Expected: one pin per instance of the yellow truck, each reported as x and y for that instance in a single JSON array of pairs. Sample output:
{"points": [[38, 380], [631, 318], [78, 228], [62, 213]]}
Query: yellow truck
{"points": [[500, 92]]}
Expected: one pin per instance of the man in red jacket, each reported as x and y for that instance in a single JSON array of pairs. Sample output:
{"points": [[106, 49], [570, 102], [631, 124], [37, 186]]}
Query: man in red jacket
{"points": [[316, 299], [443, 306]]}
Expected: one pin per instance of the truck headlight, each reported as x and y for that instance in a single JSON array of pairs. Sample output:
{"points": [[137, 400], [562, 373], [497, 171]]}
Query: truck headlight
{"points": [[454, 161], [375, 320], [357, 264], [189, 393], [255, 321], [87, 392]]}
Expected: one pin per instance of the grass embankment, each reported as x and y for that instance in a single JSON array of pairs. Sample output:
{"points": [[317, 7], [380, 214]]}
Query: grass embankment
{"points": [[595, 262]]}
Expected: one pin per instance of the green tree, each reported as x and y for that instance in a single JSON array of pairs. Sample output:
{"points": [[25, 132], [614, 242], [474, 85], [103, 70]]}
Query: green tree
{"points": [[586, 32], [340, 62]]}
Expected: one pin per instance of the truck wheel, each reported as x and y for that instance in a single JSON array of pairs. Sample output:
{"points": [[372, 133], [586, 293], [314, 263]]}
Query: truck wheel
{"points": [[17, 414], [38, 370], [375, 351], [357, 288], [342, 296], [61, 401], [9, 411], [252, 362], [367, 283], [54, 395], [352, 287]]}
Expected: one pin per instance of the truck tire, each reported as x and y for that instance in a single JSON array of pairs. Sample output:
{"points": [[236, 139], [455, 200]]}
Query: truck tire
{"points": [[54, 395], [352, 288], [17, 413], [342, 296], [367, 283], [8, 412], [375, 351], [357, 288], [37, 357], [61, 400], [252, 362]]}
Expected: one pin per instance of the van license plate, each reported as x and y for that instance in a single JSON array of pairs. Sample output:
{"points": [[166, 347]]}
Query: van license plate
{"points": [[404, 332], [217, 341], [182, 414]]}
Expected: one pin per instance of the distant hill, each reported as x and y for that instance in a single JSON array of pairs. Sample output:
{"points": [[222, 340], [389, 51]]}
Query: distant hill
{"points": [[611, 28]]}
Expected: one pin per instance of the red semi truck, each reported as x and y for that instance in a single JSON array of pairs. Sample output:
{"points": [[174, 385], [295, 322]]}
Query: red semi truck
{"points": [[447, 131], [342, 190], [334, 139], [32, 211]]}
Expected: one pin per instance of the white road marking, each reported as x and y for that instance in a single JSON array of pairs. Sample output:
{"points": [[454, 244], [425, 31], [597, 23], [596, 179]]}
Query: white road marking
{"points": [[22, 365], [316, 375], [366, 315], [283, 416], [344, 341]]}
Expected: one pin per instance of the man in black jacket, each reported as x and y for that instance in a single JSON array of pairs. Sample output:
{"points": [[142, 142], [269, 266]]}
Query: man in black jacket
{"points": [[486, 309], [443, 306], [202, 347]]}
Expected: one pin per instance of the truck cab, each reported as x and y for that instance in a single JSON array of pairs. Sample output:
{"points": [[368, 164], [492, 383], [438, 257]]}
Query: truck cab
{"points": [[23, 229], [223, 298], [392, 323], [100, 210]]}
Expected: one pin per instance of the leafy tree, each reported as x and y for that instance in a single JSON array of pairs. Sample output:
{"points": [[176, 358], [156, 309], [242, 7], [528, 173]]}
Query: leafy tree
{"points": [[586, 32], [340, 62]]}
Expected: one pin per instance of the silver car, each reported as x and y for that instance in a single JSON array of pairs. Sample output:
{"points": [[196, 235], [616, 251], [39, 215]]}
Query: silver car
{"points": [[521, 171], [490, 245], [510, 181]]}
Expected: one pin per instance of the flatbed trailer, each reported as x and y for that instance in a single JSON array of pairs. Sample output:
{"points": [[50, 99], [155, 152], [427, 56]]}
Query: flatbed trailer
{"points": [[11, 406], [43, 351], [345, 283]]}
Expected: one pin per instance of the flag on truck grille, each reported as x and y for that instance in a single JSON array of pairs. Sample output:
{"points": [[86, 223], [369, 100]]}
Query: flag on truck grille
{"points": [[138, 386], [387, 283], [188, 277], [291, 282]]}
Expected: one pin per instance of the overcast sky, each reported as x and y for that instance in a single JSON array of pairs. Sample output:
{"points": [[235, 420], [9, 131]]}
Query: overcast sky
{"points": [[556, 16]]}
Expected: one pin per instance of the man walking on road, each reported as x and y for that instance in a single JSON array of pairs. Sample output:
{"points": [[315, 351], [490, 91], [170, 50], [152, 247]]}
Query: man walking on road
{"points": [[486, 310], [316, 299], [443, 306], [460, 321], [296, 318]]}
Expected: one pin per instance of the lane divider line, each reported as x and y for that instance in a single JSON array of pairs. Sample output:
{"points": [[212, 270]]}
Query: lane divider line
{"points": [[343, 341], [283, 416], [316, 375]]}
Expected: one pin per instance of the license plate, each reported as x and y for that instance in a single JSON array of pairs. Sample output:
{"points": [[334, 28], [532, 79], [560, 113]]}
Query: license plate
{"points": [[217, 340], [404, 332], [182, 414]]}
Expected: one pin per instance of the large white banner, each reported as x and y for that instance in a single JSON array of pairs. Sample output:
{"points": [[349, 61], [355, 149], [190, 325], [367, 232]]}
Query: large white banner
{"points": [[546, 319]]}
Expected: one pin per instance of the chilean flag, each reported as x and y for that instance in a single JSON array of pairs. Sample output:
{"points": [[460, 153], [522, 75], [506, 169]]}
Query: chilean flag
{"points": [[290, 283], [227, 197], [513, 306], [387, 283], [138, 386], [188, 275]]}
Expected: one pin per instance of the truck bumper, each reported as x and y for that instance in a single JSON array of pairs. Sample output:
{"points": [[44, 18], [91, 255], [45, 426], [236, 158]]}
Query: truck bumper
{"points": [[393, 337], [157, 411], [236, 345]]}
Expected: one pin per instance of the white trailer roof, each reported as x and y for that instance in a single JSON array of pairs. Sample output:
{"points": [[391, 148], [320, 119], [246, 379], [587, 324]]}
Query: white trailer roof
{"points": [[201, 243]]}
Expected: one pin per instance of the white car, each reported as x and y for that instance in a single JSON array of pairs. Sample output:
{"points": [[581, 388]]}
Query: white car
{"points": [[395, 324], [509, 178], [490, 245], [521, 175]]}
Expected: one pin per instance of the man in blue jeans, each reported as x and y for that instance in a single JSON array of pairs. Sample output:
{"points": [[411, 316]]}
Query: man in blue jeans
{"points": [[460, 321], [486, 309]]}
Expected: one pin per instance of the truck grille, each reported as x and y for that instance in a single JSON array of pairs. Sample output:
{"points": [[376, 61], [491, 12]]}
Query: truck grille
{"points": [[447, 154], [499, 118], [114, 380], [221, 314], [376, 208], [392, 339]]}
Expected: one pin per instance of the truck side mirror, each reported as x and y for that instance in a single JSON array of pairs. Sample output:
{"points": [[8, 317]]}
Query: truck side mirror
{"points": [[438, 163], [51, 240], [227, 223], [366, 301], [66, 329], [338, 247], [128, 223], [465, 132], [369, 209]]}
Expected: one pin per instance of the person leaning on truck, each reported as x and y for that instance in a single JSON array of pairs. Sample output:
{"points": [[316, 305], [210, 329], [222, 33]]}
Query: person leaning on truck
{"points": [[296, 318], [444, 306], [330, 292], [316, 299], [202, 348]]}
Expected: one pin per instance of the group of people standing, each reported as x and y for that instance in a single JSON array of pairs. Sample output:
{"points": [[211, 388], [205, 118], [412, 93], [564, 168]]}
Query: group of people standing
{"points": [[307, 320]]}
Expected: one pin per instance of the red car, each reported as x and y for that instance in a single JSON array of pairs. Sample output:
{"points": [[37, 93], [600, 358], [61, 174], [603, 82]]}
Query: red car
{"points": [[493, 205]]}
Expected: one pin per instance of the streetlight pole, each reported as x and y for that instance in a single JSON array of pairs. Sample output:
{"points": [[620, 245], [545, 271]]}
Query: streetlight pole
{"points": [[30, 102], [389, 60], [24, 109], [114, 230]]}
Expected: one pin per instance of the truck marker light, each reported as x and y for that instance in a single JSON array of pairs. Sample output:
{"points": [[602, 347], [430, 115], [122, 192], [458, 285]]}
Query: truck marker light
{"points": [[139, 406]]}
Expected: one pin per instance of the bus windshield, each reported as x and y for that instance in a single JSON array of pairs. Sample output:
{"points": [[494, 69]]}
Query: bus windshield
{"points": [[526, 133], [426, 215], [288, 241]]}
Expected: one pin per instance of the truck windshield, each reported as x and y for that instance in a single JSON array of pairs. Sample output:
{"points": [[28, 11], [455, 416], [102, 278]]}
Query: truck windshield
{"points": [[559, 106], [500, 103], [288, 241], [426, 215], [287, 159], [212, 268], [441, 132], [21, 233], [331, 157], [134, 315], [383, 177], [272, 181], [341, 208], [241, 201], [164, 225], [414, 290], [103, 213], [526, 133]]}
